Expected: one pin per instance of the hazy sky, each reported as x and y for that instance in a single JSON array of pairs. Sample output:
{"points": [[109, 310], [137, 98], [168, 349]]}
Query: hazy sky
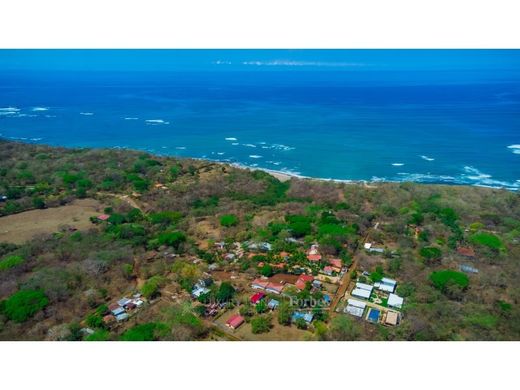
{"points": [[180, 60]]}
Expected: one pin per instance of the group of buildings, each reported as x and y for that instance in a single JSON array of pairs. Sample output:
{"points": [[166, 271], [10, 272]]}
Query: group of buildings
{"points": [[377, 303], [123, 309]]}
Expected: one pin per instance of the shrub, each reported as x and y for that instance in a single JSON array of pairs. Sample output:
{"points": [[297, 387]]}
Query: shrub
{"points": [[487, 239], [151, 287], [285, 313], [225, 292], [442, 279], [165, 217], [173, 239], [299, 225], [261, 307], [99, 335], [10, 262], [430, 253], [301, 324], [261, 324], [229, 220], [24, 304], [145, 332], [94, 320]]}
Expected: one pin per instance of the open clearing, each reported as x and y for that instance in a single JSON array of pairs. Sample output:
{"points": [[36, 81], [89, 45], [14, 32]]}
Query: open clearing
{"points": [[18, 228]]}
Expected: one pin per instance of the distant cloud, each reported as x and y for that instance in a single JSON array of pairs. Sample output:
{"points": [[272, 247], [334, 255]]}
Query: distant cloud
{"points": [[303, 63]]}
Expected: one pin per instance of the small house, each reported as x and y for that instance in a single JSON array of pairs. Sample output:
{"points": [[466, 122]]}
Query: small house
{"points": [[108, 319], [121, 317], [392, 318], [103, 217], [395, 301], [275, 288], [302, 281], [355, 307], [328, 270], [307, 317], [466, 251], [314, 257], [273, 304], [255, 298], [260, 284], [468, 269], [362, 290], [199, 290], [118, 311], [124, 301], [235, 321], [386, 284]]}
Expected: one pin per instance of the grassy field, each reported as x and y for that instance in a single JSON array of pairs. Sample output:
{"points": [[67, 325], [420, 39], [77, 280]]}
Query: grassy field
{"points": [[19, 228]]}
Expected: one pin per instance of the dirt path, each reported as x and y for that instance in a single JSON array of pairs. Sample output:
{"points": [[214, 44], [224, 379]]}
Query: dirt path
{"points": [[347, 277], [125, 198]]}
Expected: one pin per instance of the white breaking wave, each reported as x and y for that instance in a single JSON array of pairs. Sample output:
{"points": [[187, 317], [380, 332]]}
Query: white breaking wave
{"points": [[397, 164], [231, 139], [130, 118], [220, 153], [249, 145], [40, 109], [235, 143], [9, 110], [514, 148], [86, 113], [255, 156], [180, 147], [157, 122], [427, 158]]}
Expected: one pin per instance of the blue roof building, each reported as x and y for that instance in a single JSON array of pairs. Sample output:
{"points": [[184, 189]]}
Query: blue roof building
{"points": [[307, 317]]}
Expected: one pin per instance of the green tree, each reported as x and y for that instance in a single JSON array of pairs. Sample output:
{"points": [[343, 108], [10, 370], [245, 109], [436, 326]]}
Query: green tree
{"points": [[261, 324], [229, 220], [24, 304], [285, 312], [150, 288], [10, 262], [145, 332], [261, 307], [225, 292]]}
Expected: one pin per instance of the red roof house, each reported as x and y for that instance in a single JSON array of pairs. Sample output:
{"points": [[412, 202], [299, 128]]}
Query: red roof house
{"points": [[103, 217], [260, 283], [302, 280], [336, 263], [275, 287], [314, 257], [235, 321], [257, 297], [468, 252]]}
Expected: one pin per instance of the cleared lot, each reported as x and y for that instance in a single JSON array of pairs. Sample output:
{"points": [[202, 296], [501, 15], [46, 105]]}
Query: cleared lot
{"points": [[19, 228]]}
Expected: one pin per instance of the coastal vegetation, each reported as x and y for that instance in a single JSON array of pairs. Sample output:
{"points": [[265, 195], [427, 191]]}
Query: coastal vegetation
{"points": [[160, 228]]}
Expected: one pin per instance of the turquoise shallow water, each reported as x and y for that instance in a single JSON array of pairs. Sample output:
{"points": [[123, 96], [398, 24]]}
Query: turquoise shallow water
{"points": [[424, 126]]}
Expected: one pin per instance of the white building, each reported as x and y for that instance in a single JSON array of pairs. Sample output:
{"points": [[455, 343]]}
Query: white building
{"points": [[395, 301], [355, 307]]}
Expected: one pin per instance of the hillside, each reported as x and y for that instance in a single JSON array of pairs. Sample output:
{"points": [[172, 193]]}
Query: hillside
{"points": [[184, 241]]}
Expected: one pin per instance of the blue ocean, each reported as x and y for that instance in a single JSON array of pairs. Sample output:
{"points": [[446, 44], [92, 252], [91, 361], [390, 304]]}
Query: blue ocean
{"points": [[430, 126]]}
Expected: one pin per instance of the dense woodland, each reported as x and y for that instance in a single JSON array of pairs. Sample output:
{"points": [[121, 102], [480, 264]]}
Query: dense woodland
{"points": [[58, 283]]}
